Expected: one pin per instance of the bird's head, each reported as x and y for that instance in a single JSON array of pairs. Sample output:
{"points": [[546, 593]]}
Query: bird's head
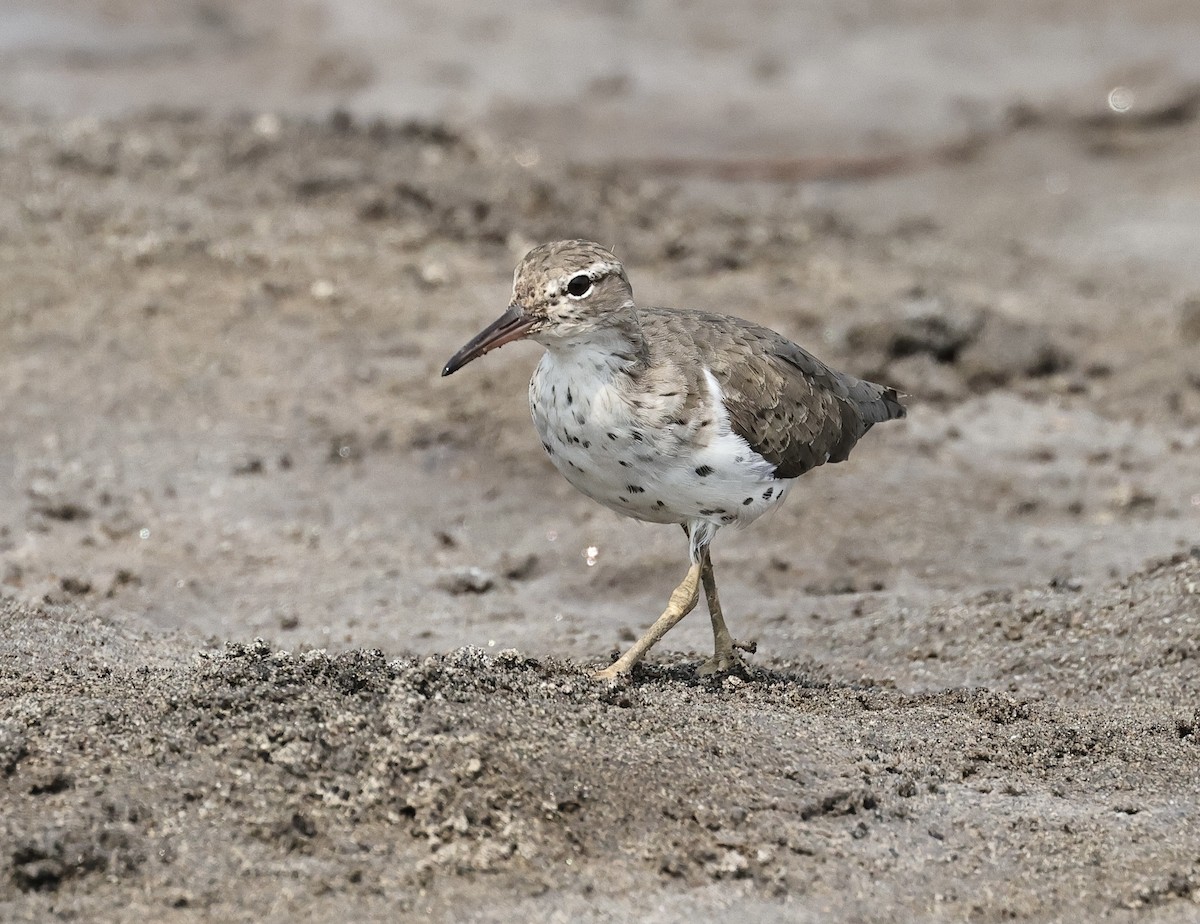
{"points": [[562, 292]]}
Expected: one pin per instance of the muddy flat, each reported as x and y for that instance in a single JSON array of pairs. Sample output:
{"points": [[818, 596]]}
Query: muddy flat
{"points": [[294, 629]]}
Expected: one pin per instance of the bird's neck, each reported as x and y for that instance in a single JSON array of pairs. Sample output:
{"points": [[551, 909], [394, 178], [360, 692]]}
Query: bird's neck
{"points": [[620, 345]]}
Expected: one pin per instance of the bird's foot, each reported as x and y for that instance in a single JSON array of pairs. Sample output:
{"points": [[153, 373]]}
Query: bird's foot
{"points": [[726, 660], [682, 602], [612, 672]]}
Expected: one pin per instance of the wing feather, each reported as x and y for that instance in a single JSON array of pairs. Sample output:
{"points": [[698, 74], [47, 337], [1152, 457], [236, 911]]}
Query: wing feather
{"points": [[793, 409]]}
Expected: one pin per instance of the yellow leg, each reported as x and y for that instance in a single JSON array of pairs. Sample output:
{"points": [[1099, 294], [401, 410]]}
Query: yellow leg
{"points": [[683, 601], [723, 658]]}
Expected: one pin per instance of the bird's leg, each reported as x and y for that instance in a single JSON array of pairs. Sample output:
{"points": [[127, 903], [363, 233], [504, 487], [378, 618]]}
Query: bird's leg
{"points": [[723, 659], [683, 601]]}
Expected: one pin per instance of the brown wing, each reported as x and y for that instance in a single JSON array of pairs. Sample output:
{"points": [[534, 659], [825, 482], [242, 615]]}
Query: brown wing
{"points": [[789, 406]]}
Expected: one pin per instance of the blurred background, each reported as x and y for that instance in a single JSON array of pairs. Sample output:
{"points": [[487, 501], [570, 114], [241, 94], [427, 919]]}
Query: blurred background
{"points": [[223, 212], [240, 238], [605, 79]]}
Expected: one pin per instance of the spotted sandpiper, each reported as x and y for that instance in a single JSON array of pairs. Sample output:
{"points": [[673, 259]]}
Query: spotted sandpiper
{"points": [[670, 415]]}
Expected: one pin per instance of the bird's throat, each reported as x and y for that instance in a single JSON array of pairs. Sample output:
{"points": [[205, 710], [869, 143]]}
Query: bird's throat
{"points": [[611, 348]]}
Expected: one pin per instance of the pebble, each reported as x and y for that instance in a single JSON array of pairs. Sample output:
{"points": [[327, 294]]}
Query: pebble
{"points": [[467, 580]]}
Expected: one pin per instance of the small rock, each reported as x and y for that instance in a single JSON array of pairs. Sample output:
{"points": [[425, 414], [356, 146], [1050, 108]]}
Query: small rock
{"points": [[55, 507], [1066, 582], [251, 466], [1127, 497], [75, 585], [731, 865], [433, 274], [1006, 350], [468, 580], [835, 587], [929, 327], [518, 568]]}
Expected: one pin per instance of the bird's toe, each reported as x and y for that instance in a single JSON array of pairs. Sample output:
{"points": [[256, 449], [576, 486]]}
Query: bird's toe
{"points": [[722, 663], [613, 672], [726, 660]]}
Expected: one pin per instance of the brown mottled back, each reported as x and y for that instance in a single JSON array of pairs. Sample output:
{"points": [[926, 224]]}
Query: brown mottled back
{"points": [[789, 406]]}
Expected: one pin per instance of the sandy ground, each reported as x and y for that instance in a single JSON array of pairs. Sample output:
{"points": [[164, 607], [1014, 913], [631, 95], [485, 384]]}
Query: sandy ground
{"points": [[975, 695]]}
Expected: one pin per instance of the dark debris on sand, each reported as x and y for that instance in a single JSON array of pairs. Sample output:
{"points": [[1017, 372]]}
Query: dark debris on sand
{"points": [[207, 781]]}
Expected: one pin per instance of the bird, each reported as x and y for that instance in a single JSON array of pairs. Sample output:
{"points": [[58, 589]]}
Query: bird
{"points": [[672, 415]]}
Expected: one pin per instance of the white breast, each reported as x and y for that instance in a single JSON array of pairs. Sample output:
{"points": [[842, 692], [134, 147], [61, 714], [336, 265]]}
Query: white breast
{"points": [[635, 457]]}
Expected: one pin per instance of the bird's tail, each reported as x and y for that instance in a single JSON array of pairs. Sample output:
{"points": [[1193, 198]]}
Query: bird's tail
{"points": [[877, 403]]}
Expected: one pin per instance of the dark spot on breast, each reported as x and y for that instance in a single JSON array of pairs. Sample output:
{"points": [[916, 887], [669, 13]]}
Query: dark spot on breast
{"points": [[739, 458], [704, 470], [546, 446], [703, 423], [659, 504], [767, 493], [570, 397], [635, 489], [705, 512], [622, 463], [612, 436], [580, 418], [748, 501], [729, 518], [587, 444], [624, 500], [637, 436]]}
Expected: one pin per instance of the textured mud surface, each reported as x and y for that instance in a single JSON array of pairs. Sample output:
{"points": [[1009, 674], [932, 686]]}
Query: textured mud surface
{"points": [[251, 782], [975, 697]]}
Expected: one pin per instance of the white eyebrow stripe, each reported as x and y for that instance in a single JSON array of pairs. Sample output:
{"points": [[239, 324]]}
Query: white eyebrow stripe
{"points": [[558, 286]]}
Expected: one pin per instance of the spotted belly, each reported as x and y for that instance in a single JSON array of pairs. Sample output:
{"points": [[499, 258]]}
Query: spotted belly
{"points": [[682, 472], [671, 492]]}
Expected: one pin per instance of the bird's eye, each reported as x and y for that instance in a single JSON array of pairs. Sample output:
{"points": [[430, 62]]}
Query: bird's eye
{"points": [[580, 285]]}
